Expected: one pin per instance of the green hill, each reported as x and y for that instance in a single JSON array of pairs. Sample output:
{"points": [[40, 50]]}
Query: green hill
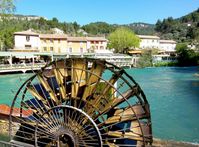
{"points": [[183, 29], [98, 28]]}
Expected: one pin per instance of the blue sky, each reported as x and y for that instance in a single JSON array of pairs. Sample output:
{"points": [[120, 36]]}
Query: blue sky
{"points": [[110, 11]]}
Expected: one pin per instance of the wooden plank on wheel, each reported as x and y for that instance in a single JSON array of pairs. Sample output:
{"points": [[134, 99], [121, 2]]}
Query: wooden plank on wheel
{"points": [[60, 82], [48, 89], [78, 75], [94, 78]]}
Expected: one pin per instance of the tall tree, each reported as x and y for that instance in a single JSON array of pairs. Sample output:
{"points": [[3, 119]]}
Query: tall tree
{"points": [[98, 28], [146, 59], [186, 56], [122, 39]]}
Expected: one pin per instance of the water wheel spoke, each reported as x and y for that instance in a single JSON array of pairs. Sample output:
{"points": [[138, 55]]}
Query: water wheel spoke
{"points": [[34, 92], [48, 89], [60, 82], [117, 101], [78, 75], [93, 79], [128, 114]]}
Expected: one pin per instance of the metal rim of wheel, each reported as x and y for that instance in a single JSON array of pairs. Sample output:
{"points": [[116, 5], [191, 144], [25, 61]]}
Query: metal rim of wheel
{"points": [[80, 102]]}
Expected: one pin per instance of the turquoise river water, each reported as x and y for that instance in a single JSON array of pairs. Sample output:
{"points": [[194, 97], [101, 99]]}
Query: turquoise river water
{"points": [[173, 94]]}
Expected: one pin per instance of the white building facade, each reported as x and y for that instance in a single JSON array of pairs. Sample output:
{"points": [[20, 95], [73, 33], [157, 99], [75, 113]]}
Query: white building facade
{"points": [[97, 43], [154, 42], [29, 41], [167, 45], [26, 41], [149, 41]]}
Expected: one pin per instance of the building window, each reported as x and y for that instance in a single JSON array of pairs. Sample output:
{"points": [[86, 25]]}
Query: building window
{"points": [[101, 47], [51, 40], [27, 46], [97, 42], [27, 38], [45, 49], [51, 48], [92, 42], [70, 49], [43, 40], [58, 40]]}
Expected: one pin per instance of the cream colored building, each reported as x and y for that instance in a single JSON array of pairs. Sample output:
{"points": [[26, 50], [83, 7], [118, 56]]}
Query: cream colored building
{"points": [[96, 43], [149, 42], [26, 41], [167, 45], [77, 45], [29, 41], [53, 43]]}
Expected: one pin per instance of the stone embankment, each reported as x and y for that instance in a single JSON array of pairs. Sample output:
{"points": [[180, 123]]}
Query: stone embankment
{"points": [[168, 143]]}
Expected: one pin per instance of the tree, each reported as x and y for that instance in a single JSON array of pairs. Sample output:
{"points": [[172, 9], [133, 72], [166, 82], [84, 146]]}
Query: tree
{"points": [[98, 28], [6, 6], [146, 58], [53, 23], [76, 26], [122, 39], [186, 56]]}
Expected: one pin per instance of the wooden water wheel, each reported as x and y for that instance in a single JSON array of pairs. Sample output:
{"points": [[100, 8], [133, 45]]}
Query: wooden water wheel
{"points": [[81, 102]]}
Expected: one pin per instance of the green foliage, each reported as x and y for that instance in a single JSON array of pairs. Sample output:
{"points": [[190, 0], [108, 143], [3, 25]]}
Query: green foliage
{"points": [[9, 25], [123, 39], [4, 137], [161, 64], [104, 28], [98, 28], [183, 29], [186, 56], [142, 28], [146, 59]]}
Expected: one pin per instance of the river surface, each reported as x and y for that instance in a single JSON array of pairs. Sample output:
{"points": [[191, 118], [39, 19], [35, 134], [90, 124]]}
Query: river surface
{"points": [[173, 94]]}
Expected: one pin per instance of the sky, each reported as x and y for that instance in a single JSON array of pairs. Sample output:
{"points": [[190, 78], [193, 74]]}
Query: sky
{"points": [[110, 11]]}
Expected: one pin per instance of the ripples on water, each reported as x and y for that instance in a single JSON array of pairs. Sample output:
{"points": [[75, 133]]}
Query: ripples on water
{"points": [[173, 94], [9, 84]]}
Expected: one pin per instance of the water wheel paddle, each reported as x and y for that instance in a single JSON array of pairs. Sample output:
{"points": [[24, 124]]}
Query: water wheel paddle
{"points": [[81, 102]]}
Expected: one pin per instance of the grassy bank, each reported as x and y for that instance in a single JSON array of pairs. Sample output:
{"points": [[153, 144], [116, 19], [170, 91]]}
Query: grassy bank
{"points": [[4, 137], [163, 64]]}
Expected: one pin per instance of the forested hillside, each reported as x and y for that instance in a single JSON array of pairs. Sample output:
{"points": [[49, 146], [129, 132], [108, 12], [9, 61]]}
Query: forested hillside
{"points": [[105, 28], [184, 29], [9, 25]]}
